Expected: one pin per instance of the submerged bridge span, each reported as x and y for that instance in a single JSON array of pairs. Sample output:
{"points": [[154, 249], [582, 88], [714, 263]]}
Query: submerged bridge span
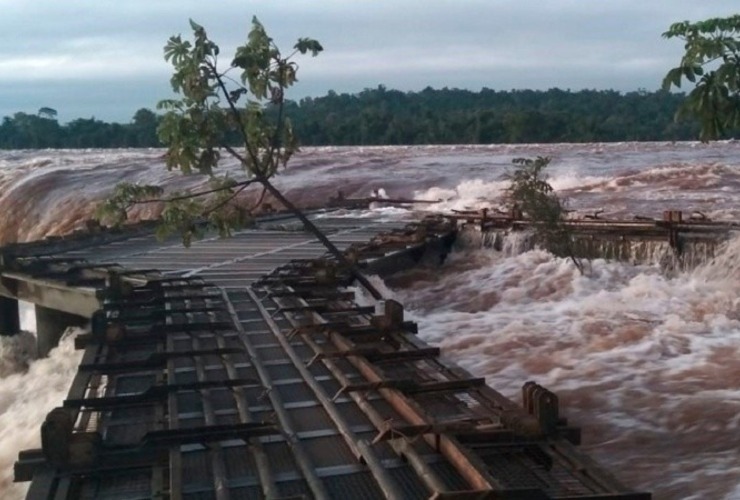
{"points": [[250, 368]]}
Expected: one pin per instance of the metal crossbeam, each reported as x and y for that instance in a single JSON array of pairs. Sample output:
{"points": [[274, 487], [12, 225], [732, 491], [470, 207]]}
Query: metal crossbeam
{"points": [[155, 393], [209, 433], [413, 387], [156, 360]]}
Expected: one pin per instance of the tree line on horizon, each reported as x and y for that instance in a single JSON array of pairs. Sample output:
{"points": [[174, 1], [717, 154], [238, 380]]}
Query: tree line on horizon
{"points": [[381, 116]]}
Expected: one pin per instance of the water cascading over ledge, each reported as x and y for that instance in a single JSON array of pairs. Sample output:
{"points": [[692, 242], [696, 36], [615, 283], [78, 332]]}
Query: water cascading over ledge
{"points": [[684, 253]]}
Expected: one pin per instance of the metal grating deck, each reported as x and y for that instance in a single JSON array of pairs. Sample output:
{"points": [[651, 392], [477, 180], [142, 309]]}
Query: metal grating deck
{"points": [[243, 368]]}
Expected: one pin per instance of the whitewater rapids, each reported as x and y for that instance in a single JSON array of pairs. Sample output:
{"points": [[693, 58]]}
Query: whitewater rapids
{"points": [[648, 365]]}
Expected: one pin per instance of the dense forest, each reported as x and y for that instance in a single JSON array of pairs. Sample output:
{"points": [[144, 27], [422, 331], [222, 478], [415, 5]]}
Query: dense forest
{"points": [[42, 130], [453, 116], [382, 116]]}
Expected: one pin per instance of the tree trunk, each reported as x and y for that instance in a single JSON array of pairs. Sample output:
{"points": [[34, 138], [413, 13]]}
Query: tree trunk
{"points": [[311, 227]]}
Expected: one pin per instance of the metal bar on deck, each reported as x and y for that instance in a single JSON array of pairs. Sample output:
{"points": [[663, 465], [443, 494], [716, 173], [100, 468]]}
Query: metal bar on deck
{"points": [[155, 360], [153, 394], [468, 465], [266, 477], [361, 449], [173, 415], [301, 457], [417, 462], [214, 450]]}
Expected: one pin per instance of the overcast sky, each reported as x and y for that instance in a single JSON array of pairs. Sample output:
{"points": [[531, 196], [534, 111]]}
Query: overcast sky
{"points": [[103, 58]]}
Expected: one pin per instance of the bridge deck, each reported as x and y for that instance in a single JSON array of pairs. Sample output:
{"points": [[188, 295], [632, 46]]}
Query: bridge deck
{"points": [[243, 368]]}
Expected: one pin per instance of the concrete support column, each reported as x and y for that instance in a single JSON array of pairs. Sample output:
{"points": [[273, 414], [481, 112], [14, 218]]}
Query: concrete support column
{"points": [[50, 325], [10, 319]]}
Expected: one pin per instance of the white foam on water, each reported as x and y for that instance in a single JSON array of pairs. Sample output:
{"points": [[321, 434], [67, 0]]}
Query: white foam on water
{"points": [[27, 394], [475, 194], [467, 195], [648, 365], [573, 179]]}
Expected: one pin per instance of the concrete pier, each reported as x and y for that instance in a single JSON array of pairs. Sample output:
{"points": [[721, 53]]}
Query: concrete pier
{"points": [[10, 320], [50, 326]]}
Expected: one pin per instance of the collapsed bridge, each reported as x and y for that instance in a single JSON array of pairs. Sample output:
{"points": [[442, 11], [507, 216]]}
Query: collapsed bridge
{"points": [[673, 242], [249, 368]]}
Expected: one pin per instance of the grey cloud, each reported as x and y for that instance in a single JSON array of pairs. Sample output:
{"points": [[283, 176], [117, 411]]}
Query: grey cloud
{"points": [[60, 48]]}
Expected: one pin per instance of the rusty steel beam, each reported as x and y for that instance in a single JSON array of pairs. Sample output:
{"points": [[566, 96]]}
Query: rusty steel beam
{"points": [[402, 448], [468, 465]]}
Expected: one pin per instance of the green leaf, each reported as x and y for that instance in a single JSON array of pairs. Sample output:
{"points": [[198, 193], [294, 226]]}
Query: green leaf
{"points": [[711, 43], [195, 26], [308, 45], [209, 114], [673, 78]]}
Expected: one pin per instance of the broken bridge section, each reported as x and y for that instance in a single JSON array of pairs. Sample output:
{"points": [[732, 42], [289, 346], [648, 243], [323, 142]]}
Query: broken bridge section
{"points": [[246, 368], [675, 242]]}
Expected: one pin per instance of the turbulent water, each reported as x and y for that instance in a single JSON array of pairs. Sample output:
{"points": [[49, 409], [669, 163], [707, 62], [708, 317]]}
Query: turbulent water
{"points": [[647, 365]]}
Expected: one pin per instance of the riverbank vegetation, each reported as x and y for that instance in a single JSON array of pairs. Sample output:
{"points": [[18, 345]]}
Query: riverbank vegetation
{"points": [[383, 116]]}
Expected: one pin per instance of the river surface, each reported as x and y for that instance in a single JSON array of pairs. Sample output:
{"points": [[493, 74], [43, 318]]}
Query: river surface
{"points": [[648, 365]]}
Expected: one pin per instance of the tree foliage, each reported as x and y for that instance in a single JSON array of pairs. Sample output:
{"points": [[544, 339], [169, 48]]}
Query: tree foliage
{"points": [[711, 62], [458, 116], [530, 192], [195, 126], [41, 130], [215, 106], [442, 116], [45, 112]]}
